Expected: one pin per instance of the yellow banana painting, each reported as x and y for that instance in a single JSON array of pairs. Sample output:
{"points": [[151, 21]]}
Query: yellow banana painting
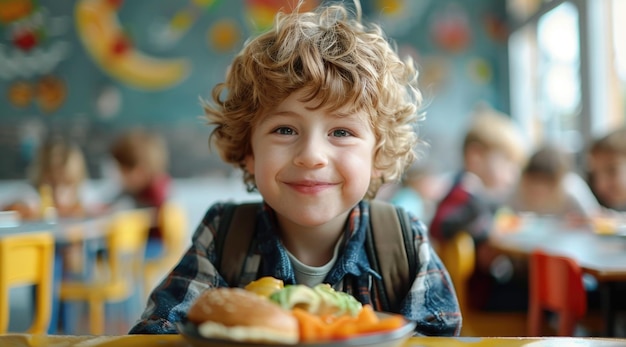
{"points": [[102, 36]]}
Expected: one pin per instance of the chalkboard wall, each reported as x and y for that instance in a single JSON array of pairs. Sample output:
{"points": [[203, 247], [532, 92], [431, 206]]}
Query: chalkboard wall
{"points": [[55, 78]]}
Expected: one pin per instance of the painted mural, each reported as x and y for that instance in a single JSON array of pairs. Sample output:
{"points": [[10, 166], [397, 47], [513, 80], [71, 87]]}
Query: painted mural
{"points": [[87, 68]]}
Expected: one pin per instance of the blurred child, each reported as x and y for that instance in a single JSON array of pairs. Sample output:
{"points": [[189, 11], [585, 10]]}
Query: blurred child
{"points": [[607, 173], [541, 189], [493, 154], [57, 175], [418, 192], [142, 159], [607, 168]]}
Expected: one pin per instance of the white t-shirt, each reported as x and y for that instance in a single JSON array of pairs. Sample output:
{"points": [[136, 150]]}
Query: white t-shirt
{"points": [[313, 275]]}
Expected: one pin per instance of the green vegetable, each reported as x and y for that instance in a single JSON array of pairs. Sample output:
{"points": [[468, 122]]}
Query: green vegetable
{"points": [[292, 296], [322, 299], [338, 303]]}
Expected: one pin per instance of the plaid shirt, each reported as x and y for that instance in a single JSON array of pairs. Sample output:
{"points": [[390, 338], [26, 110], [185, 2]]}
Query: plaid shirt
{"points": [[431, 302], [462, 209]]}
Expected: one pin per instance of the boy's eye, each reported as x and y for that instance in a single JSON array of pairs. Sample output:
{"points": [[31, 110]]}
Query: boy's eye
{"points": [[341, 133], [284, 131]]}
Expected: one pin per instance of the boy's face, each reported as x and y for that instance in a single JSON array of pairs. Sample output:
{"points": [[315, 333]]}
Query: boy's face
{"points": [[311, 166], [609, 178], [497, 171], [540, 192], [133, 180]]}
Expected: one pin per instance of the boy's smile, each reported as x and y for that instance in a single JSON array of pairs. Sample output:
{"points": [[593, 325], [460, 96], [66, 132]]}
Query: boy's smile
{"points": [[311, 165], [309, 186]]}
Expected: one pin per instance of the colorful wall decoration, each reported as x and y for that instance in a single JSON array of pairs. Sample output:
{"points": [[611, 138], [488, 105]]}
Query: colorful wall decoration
{"points": [[88, 68]]}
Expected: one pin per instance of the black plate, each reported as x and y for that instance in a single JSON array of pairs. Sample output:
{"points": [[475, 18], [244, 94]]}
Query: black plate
{"points": [[385, 339]]}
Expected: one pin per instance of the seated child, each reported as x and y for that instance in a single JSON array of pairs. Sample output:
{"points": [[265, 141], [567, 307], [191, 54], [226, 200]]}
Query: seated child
{"points": [[417, 192], [142, 159], [607, 168], [541, 189], [607, 172], [493, 154], [56, 175], [318, 112]]}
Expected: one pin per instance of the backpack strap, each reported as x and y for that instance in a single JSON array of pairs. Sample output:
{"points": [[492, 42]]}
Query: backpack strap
{"points": [[234, 239], [389, 244]]}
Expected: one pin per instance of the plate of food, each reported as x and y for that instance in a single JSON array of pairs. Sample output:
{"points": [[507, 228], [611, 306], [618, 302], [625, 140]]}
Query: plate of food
{"points": [[609, 226], [293, 315]]}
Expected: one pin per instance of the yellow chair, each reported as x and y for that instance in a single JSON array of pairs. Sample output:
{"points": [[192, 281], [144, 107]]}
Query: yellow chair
{"points": [[115, 279], [27, 259], [458, 255], [172, 220]]}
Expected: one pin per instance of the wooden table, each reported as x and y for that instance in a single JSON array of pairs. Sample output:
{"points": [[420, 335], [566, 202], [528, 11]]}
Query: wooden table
{"points": [[16, 340], [603, 256]]}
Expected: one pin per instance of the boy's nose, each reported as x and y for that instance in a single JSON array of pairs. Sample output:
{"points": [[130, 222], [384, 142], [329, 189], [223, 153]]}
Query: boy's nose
{"points": [[311, 153]]}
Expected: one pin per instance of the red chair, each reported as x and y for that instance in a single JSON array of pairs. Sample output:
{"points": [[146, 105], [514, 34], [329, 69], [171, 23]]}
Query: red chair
{"points": [[556, 285]]}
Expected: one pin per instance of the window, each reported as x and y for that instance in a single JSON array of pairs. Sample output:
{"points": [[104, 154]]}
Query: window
{"points": [[545, 77], [618, 116], [568, 69]]}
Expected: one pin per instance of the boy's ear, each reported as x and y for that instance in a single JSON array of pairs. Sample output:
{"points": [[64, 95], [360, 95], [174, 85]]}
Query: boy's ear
{"points": [[377, 173], [473, 156], [249, 161]]}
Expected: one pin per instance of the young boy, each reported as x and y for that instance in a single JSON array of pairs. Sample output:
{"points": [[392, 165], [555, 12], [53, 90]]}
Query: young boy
{"points": [[141, 157], [493, 154], [607, 166], [318, 112], [542, 190]]}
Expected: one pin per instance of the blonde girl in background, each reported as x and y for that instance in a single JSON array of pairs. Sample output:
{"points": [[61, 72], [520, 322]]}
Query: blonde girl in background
{"points": [[56, 176]]}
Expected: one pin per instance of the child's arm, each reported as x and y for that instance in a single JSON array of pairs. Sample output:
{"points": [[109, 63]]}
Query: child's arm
{"points": [[432, 301], [195, 273]]}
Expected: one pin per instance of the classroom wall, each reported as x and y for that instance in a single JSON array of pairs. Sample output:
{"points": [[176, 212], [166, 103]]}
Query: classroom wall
{"points": [[57, 75]]}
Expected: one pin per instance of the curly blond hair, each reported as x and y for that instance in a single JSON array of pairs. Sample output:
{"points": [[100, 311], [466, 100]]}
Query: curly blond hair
{"points": [[337, 61], [496, 131]]}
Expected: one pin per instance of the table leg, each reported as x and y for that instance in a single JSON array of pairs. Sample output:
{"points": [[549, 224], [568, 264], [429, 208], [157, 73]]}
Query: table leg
{"points": [[57, 274], [71, 314], [608, 309]]}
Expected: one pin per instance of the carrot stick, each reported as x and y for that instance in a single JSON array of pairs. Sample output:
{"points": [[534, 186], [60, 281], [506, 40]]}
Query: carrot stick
{"points": [[321, 328], [385, 324]]}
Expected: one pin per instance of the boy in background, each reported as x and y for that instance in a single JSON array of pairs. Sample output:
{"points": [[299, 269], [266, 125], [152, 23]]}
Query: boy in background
{"points": [[418, 192], [493, 154], [607, 168], [318, 112], [542, 188], [142, 158]]}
